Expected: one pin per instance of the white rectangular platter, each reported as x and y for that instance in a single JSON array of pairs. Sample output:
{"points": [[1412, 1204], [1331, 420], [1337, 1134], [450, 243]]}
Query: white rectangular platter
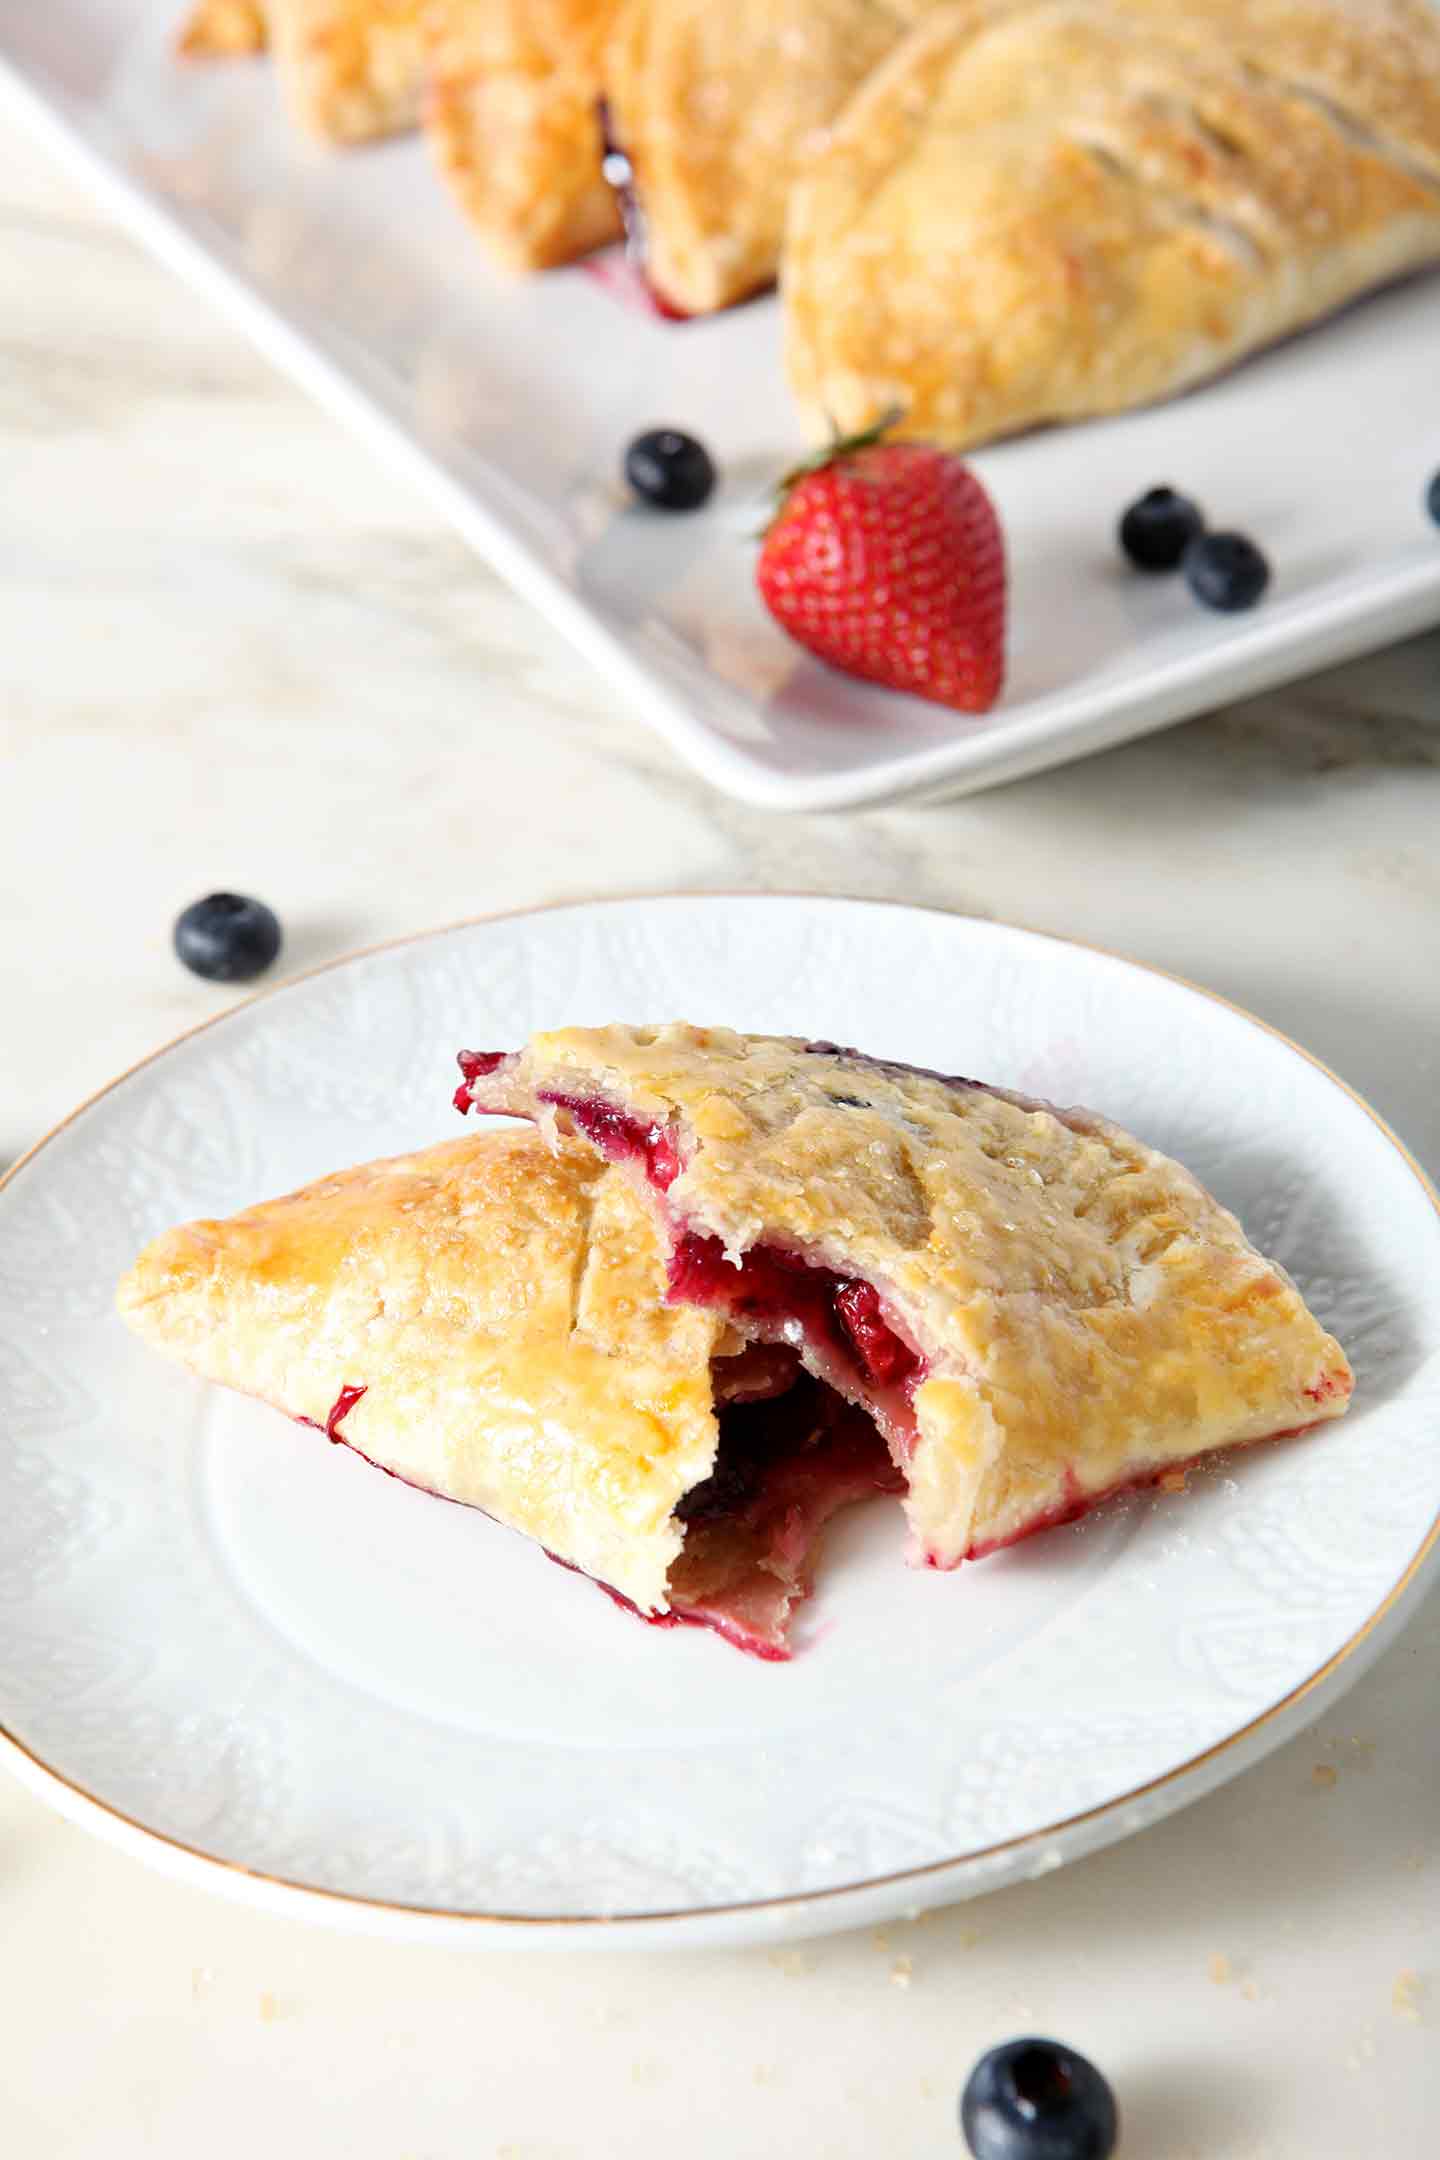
{"points": [[509, 403]]}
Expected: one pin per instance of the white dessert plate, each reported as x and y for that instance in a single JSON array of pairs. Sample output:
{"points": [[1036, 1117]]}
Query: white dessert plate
{"points": [[253, 1660], [508, 404]]}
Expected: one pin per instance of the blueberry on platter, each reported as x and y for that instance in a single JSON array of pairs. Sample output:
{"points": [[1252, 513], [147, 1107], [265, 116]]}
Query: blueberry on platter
{"points": [[669, 470], [1156, 530], [1225, 570]]}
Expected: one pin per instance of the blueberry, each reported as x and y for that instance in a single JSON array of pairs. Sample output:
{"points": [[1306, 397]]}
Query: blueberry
{"points": [[670, 470], [1226, 571], [226, 938], [1432, 498], [1156, 530], [1038, 2100]]}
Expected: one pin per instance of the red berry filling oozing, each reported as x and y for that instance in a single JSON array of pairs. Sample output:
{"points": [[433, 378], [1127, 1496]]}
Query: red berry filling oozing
{"points": [[1330, 1387], [475, 1065], [784, 1466], [633, 281], [340, 1409], [840, 1318], [622, 1138]]}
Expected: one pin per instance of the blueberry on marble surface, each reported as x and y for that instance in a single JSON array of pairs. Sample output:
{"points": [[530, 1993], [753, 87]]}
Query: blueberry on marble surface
{"points": [[227, 938], [1037, 2099]]}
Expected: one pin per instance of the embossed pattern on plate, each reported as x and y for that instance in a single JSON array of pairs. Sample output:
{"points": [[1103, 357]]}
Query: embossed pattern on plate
{"points": [[221, 1641]]}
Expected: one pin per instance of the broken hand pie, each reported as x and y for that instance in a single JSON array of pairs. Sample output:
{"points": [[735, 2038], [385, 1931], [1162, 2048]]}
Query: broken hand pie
{"points": [[1034, 1307], [730, 1285], [487, 1320]]}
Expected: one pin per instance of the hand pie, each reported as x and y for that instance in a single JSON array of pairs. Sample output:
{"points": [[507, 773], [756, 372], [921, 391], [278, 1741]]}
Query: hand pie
{"points": [[1034, 1307], [349, 69], [1082, 205], [222, 30], [513, 116], [709, 110], [487, 1320]]}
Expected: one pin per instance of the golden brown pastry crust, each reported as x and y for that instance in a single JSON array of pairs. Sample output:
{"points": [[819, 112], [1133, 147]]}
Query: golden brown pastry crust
{"points": [[1087, 1314], [513, 118], [350, 70], [500, 1304], [1041, 212], [222, 30], [714, 106]]}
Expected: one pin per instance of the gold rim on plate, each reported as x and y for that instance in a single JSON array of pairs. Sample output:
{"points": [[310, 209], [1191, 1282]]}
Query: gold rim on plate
{"points": [[235, 1871]]}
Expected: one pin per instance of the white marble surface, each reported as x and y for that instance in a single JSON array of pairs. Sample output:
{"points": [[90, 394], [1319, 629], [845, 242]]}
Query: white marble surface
{"points": [[232, 652]]}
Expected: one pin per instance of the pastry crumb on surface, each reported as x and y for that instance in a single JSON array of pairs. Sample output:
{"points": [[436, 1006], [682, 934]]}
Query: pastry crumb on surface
{"points": [[902, 1972], [880, 1939], [1324, 1774], [269, 2008], [790, 1962], [1222, 1972], [1250, 1991], [1405, 1997]]}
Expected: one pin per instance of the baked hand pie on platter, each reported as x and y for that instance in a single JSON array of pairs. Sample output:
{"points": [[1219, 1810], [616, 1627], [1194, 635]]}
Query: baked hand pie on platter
{"points": [[223, 30], [1034, 1307], [487, 1320], [711, 110], [513, 117], [1046, 212], [349, 70]]}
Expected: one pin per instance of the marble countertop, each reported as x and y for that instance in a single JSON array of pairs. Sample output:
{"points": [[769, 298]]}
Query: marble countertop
{"points": [[233, 652]]}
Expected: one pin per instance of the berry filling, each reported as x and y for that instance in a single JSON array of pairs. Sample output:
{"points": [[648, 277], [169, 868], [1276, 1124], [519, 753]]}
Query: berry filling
{"points": [[621, 1138], [1330, 1387], [634, 281], [475, 1065], [782, 1469], [785, 1298], [776, 1295], [784, 1466], [340, 1409], [886, 1065], [883, 1357]]}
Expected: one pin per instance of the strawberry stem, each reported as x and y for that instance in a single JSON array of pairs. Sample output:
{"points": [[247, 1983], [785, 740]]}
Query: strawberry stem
{"points": [[841, 446]]}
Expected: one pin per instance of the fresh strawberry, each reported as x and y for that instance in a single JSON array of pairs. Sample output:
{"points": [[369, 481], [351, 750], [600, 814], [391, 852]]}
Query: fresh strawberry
{"points": [[887, 560]]}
